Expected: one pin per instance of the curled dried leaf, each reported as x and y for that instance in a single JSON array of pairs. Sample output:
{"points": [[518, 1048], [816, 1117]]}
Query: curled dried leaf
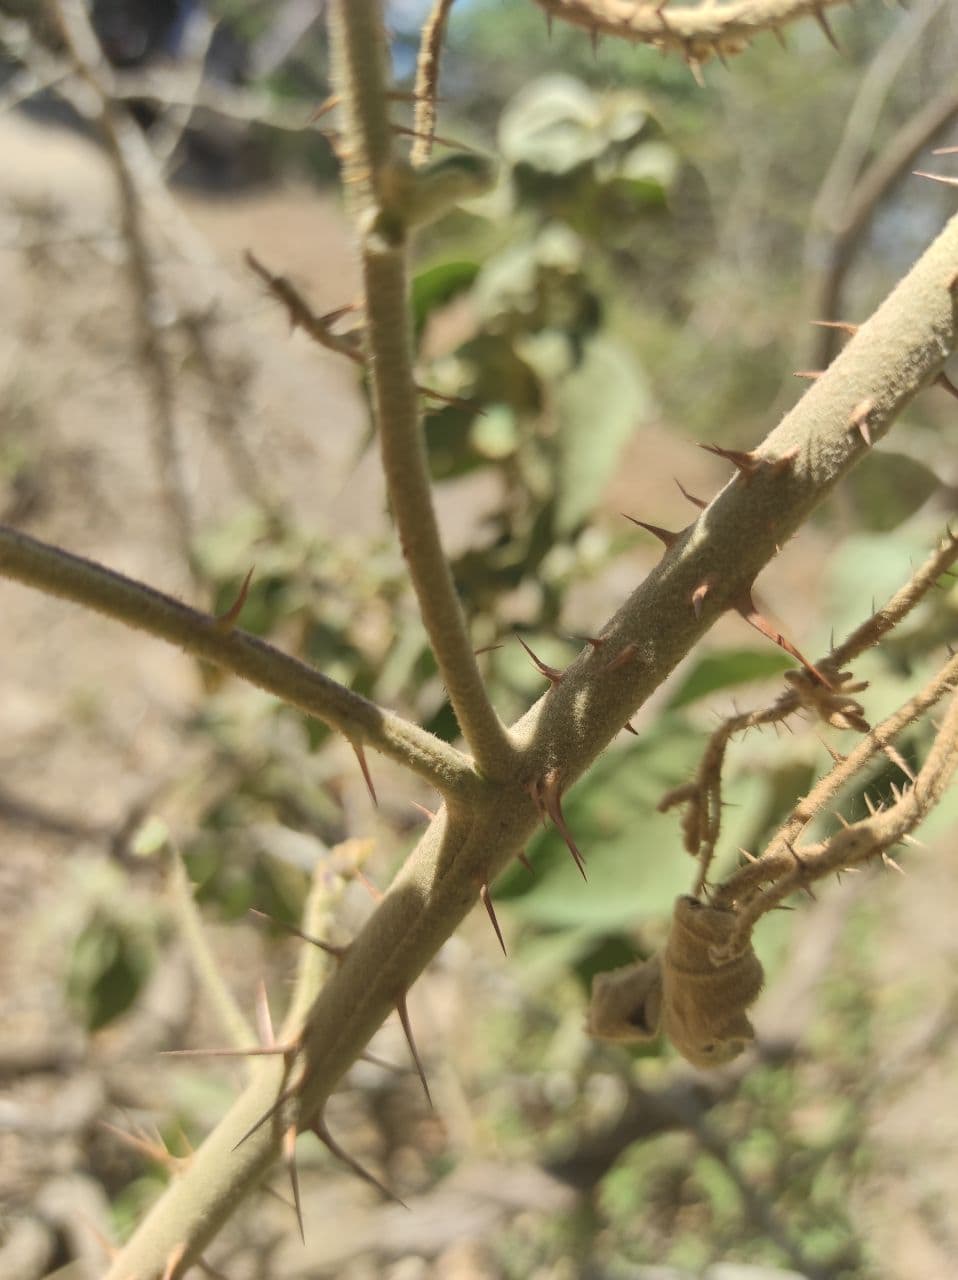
{"points": [[627, 1003], [704, 999]]}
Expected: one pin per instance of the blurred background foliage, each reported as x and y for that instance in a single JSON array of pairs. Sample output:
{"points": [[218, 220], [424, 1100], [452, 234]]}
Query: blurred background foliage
{"points": [[640, 280]]}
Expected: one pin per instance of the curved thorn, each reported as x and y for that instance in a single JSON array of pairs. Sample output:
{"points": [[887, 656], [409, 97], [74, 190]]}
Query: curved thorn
{"points": [[858, 420], [630, 728], [690, 497], [664, 535], [486, 897], [332, 1146], [826, 28], [552, 674], [750, 613], [522, 857], [403, 1012], [944, 381], [553, 803], [698, 597], [227, 621]]}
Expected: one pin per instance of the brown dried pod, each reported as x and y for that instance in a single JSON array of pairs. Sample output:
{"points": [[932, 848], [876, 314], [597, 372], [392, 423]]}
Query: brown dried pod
{"points": [[627, 1002], [704, 1001]]}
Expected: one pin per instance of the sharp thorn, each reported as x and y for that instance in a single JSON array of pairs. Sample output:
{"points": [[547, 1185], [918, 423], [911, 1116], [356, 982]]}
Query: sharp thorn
{"points": [[755, 619], [332, 1146], [630, 728], [281, 1101], [690, 497], [807, 373], [858, 420], [552, 674], [780, 37], [486, 897], [331, 948], [522, 857], [890, 862], [426, 813], [826, 28], [264, 1019], [403, 1012], [944, 381], [258, 1051], [553, 804], [664, 535], [486, 648], [364, 767], [225, 622], [843, 325], [936, 177], [289, 1157], [173, 1261], [698, 597], [595, 642]]}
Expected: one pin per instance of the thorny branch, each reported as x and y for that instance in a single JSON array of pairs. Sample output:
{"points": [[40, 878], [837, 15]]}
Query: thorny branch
{"points": [[702, 798], [783, 869]]}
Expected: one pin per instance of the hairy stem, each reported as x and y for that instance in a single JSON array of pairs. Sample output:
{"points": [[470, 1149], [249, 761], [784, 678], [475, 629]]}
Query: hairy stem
{"points": [[57, 572], [390, 353]]}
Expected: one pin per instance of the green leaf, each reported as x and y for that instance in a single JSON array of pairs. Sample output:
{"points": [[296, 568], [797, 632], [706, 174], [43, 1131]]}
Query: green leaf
{"points": [[726, 668], [598, 406], [437, 285], [887, 488]]}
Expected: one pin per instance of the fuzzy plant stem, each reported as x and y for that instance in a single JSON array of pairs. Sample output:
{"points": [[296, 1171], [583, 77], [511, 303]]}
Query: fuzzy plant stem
{"points": [[359, 67], [71, 577], [899, 351]]}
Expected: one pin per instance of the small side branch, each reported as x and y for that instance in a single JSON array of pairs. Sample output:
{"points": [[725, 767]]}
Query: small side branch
{"points": [[427, 79], [696, 31], [38, 564]]}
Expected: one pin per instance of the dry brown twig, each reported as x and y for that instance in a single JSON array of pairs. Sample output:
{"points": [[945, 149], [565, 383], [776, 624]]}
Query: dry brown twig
{"points": [[701, 799]]}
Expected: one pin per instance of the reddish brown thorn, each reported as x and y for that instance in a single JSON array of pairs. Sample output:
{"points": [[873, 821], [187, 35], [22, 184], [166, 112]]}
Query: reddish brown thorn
{"points": [[331, 948], [426, 813], [780, 37], [486, 648], [843, 325], [826, 28], [332, 1146], [858, 421], [227, 621], [696, 502], [173, 1261], [595, 642], [747, 463], [807, 373], [457, 402], [289, 1158], [491, 912], [154, 1151], [552, 801], [936, 177], [630, 728], [698, 597], [364, 767], [535, 791], [945, 151], [944, 381], [521, 857], [624, 657], [552, 674], [761, 624], [403, 1012], [664, 535]]}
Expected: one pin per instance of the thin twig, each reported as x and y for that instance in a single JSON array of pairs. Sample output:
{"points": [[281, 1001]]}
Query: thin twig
{"points": [[427, 79]]}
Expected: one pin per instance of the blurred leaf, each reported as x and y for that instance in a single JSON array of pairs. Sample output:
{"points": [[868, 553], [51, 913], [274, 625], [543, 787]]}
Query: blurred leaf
{"points": [[107, 967], [887, 488], [439, 284], [552, 125], [598, 407], [726, 668]]}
